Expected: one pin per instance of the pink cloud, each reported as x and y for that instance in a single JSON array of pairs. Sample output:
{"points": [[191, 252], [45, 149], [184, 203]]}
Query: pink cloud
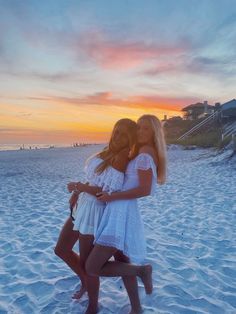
{"points": [[106, 52], [111, 54], [162, 68]]}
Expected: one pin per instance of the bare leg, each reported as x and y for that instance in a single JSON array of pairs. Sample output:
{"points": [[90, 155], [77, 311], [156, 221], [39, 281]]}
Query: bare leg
{"points": [[131, 285], [64, 249], [98, 265], [92, 282]]}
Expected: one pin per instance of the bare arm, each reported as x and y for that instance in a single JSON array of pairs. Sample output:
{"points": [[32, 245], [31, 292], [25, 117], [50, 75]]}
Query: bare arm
{"points": [[143, 189], [120, 163], [81, 187], [88, 188]]}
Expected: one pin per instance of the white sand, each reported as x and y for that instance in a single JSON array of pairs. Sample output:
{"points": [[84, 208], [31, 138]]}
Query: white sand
{"points": [[190, 226]]}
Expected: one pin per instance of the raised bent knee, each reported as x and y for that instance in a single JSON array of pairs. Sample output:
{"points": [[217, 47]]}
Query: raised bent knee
{"points": [[60, 252]]}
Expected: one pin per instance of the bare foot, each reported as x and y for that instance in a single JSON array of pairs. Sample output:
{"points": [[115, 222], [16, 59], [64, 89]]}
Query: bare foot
{"points": [[91, 310], [139, 311], [78, 294], [146, 277]]}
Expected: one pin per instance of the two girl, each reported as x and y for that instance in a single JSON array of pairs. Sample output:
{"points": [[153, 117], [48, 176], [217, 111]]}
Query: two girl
{"points": [[120, 228]]}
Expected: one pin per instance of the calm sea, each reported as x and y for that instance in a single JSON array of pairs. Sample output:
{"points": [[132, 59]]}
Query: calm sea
{"points": [[29, 146]]}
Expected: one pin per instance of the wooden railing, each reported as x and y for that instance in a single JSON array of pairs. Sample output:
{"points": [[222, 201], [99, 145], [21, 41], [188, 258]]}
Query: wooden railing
{"points": [[229, 130], [199, 125]]}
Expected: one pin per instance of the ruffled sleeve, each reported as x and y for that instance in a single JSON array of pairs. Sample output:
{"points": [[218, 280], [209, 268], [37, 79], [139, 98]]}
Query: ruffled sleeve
{"points": [[110, 180], [144, 162], [89, 168], [113, 180]]}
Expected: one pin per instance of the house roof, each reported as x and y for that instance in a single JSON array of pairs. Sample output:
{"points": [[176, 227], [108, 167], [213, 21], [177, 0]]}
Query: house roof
{"points": [[229, 105], [196, 106]]}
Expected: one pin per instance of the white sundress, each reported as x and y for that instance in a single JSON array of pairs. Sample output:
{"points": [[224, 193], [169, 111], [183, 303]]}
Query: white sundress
{"points": [[89, 209], [121, 225]]}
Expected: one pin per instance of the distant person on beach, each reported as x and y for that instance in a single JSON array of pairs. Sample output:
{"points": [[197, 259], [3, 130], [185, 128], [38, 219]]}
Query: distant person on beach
{"points": [[121, 227], [104, 172]]}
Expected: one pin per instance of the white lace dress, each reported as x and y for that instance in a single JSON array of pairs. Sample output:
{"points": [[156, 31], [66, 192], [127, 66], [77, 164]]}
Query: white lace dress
{"points": [[89, 209], [121, 225]]}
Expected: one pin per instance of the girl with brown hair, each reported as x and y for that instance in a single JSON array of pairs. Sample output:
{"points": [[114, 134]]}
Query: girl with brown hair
{"points": [[104, 172]]}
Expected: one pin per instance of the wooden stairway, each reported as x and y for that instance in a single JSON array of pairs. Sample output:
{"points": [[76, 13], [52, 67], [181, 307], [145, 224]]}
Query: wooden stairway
{"points": [[197, 127], [229, 129]]}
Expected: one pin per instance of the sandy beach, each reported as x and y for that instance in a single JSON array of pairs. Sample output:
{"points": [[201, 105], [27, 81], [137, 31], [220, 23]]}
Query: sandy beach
{"points": [[190, 227]]}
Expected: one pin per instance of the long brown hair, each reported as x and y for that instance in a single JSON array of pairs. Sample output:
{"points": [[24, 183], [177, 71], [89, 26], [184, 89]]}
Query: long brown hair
{"points": [[159, 145], [108, 154]]}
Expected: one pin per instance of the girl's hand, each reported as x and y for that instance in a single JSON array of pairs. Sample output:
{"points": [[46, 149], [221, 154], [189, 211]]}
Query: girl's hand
{"points": [[73, 200], [104, 197], [80, 186], [71, 186]]}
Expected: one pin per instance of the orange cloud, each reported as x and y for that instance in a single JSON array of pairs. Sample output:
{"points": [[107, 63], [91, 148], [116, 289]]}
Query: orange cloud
{"points": [[57, 119], [138, 101]]}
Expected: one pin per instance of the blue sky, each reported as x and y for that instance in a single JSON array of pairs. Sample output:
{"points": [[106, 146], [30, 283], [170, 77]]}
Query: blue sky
{"points": [[64, 61]]}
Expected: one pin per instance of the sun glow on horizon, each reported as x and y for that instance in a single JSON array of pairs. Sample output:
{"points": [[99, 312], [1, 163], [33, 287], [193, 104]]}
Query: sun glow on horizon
{"points": [[70, 70], [68, 124]]}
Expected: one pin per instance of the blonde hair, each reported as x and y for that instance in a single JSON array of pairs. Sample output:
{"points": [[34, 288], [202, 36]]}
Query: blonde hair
{"points": [[159, 145], [107, 154]]}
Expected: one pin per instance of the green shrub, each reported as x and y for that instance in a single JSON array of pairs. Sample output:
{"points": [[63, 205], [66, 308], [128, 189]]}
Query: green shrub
{"points": [[209, 139]]}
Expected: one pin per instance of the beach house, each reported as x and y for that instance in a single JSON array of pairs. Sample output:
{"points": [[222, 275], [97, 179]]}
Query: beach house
{"points": [[198, 111], [228, 110], [212, 118]]}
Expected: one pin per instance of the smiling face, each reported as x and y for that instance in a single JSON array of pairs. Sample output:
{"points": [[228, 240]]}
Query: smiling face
{"points": [[119, 139], [145, 132]]}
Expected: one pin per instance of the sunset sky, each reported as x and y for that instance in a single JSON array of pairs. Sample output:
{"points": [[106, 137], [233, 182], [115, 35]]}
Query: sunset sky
{"points": [[70, 69]]}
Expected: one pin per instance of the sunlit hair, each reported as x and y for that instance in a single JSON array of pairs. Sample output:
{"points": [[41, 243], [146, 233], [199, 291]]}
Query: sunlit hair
{"points": [[159, 145], [108, 154]]}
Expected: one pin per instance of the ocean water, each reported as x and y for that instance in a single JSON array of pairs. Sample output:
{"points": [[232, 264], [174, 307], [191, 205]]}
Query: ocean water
{"points": [[190, 228], [7, 147]]}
